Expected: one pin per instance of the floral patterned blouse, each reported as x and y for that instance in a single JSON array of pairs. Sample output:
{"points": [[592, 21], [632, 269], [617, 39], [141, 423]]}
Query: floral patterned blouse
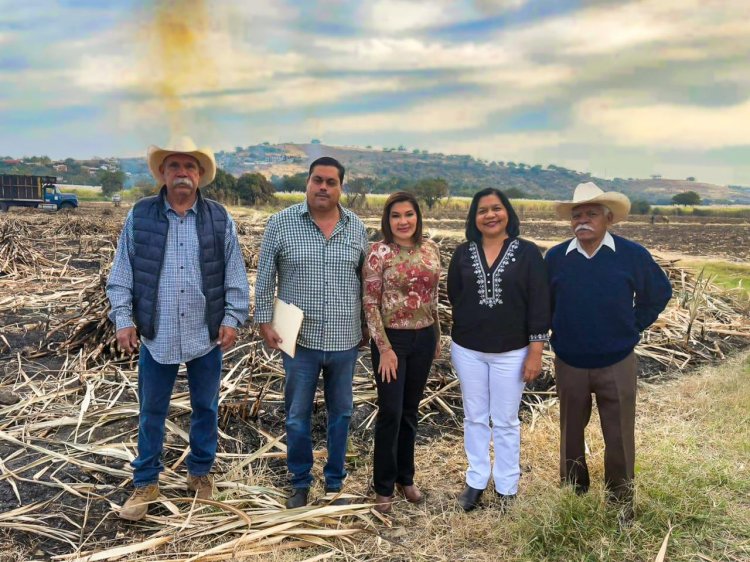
{"points": [[400, 287]]}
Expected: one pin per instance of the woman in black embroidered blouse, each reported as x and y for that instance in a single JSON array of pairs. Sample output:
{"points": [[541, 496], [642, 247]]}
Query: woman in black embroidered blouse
{"points": [[497, 286]]}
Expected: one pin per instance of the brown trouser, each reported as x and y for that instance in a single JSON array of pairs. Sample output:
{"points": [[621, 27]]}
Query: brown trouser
{"points": [[615, 390]]}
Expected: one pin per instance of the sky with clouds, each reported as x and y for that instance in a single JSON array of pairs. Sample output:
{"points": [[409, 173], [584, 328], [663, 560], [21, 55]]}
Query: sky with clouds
{"points": [[623, 88]]}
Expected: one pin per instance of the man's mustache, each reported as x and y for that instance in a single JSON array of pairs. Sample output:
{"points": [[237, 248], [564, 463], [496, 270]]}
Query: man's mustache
{"points": [[183, 181], [584, 227]]}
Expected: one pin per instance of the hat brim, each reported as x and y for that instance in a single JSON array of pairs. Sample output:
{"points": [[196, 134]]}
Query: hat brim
{"points": [[204, 156], [618, 203]]}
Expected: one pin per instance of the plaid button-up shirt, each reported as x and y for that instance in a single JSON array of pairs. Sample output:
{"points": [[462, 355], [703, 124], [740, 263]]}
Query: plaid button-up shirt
{"points": [[181, 329], [322, 277]]}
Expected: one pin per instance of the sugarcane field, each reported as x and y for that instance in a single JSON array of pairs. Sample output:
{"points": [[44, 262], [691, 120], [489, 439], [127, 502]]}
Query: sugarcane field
{"points": [[69, 408]]}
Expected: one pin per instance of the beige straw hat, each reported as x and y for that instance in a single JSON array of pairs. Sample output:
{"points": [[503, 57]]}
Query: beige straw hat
{"points": [[182, 145], [589, 193]]}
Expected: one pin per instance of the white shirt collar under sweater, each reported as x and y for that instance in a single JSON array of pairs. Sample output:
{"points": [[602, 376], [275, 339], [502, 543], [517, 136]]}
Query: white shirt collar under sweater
{"points": [[606, 241]]}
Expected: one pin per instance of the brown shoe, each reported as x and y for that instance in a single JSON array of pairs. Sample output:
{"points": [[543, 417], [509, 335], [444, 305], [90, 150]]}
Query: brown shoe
{"points": [[383, 504], [136, 507], [411, 493], [203, 486]]}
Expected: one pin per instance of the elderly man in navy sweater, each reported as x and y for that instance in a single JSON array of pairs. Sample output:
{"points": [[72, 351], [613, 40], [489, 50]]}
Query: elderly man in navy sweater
{"points": [[605, 291]]}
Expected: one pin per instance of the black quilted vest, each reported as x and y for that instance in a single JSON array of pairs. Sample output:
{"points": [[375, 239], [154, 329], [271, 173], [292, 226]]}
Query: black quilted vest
{"points": [[150, 226]]}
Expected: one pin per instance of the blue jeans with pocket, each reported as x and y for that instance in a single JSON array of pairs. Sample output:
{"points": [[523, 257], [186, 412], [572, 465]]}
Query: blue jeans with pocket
{"points": [[302, 374], [155, 384]]}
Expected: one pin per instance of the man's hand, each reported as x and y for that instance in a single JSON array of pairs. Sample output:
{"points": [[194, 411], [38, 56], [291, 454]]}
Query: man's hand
{"points": [[270, 336], [388, 366], [227, 338], [127, 339]]}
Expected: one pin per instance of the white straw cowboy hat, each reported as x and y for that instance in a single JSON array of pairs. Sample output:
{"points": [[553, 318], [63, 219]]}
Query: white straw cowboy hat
{"points": [[589, 193], [182, 145]]}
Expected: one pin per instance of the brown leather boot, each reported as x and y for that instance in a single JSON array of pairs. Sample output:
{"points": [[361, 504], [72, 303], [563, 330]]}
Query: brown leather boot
{"points": [[203, 486], [383, 504], [411, 493], [136, 507]]}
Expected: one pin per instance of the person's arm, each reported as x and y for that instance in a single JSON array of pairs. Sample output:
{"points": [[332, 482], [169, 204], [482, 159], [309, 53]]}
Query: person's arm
{"points": [[265, 283], [236, 288], [435, 301], [652, 293], [372, 300], [537, 313], [120, 289], [372, 297], [454, 284]]}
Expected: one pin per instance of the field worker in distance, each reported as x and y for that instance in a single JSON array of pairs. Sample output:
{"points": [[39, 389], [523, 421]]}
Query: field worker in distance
{"points": [[497, 286], [605, 291], [314, 251], [400, 276], [178, 278]]}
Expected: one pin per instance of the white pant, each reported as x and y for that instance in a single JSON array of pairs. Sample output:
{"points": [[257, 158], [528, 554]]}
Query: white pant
{"points": [[491, 386]]}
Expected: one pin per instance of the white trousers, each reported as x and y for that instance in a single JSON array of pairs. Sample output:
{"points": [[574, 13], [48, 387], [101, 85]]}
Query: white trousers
{"points": [[491, 387]]}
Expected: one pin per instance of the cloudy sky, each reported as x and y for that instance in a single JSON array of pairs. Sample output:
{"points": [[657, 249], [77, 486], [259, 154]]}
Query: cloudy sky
{"points": [[615, 87]]}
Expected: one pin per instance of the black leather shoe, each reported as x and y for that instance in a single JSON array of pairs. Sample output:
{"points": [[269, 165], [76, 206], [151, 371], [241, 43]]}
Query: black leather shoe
{"points": [[298, 498], [505, 500], [469, 498], [337, 501]]}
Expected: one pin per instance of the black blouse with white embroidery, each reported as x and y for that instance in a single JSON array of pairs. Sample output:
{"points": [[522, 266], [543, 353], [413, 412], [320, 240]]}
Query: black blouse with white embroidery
{"points": [[501, 307]]}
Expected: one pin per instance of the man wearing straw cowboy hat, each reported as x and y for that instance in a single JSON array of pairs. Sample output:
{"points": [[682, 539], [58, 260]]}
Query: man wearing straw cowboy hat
{"points": [[605, 291], [178, 278]]}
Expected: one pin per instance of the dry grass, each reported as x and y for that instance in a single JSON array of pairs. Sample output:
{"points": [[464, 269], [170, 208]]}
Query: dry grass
{"points": [[73, 430]]}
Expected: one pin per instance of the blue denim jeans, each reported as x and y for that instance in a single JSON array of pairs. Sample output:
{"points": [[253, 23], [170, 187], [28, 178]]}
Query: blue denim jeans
{"points": [[155, 383], [302, 374]]}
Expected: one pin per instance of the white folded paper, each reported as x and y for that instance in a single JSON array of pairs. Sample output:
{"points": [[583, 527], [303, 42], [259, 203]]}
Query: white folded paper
{"points": [[287, 321]]}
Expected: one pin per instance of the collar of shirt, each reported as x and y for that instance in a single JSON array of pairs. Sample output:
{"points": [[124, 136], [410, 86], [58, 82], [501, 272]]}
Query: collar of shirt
{"points": [[168, 207], [343, 215], [607, 241]]}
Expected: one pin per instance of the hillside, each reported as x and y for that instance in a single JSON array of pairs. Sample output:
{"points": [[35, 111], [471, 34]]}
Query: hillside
{"points": [[464, 173]]}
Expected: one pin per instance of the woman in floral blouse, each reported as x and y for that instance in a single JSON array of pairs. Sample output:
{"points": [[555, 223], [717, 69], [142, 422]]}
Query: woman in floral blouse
{"points": [[497, 286], [400, 278]]}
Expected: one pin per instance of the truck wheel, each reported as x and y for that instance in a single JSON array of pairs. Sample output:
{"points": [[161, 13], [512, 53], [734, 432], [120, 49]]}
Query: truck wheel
{"points": [[3, 207], [66, 206]]}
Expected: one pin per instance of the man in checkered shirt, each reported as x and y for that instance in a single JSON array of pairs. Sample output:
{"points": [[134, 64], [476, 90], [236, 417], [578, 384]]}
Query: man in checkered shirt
{"points": [[179, 278], [313, 252]]}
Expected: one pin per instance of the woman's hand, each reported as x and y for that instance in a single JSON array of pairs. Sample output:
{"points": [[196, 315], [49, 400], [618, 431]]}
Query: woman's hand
{"points": [[532, 366], [438, 349], [388, 366]]}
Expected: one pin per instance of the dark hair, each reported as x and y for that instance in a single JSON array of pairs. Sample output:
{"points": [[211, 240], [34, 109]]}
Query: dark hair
{"points": [[472, 232], [385, 221], [328, 161]]}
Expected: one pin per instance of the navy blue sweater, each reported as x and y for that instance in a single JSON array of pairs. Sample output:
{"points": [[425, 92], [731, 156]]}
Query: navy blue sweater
{"points": [[600, 305]]}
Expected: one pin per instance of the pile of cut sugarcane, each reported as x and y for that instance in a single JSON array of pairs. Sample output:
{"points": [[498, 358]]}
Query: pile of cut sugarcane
{"points": [[20, 255]]}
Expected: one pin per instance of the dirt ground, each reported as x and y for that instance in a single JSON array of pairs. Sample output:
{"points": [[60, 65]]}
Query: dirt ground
{"points": [[36, 303]]}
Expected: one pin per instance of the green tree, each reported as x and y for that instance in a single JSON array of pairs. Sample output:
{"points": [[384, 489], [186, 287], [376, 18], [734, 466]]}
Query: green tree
{"points": [[515, 193], [297, 182], [223, 188], [357, 190], [430, 190], [687, 198], [112, 182], [146, 187], [640, 207], [254, 189]]}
